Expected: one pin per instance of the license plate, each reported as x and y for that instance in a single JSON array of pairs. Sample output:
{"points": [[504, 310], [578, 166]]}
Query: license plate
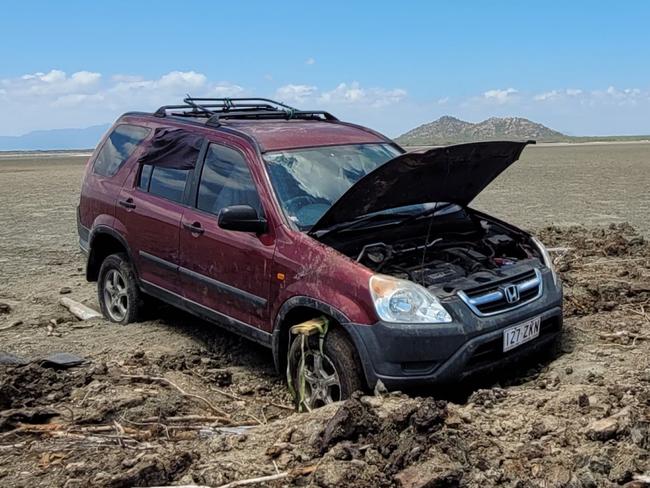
{"points": [[521, 333]]}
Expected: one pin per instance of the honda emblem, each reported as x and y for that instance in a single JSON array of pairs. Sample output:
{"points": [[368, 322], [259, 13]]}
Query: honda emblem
{"points": [[511, 293]]}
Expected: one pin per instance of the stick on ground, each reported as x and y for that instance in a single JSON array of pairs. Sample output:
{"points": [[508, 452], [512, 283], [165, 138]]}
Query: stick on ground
{"points": [[158, 379], [79, 310]]}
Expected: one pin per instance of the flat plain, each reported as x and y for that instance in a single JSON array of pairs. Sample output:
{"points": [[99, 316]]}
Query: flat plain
{"points": [[587, 184], [538, 428]]}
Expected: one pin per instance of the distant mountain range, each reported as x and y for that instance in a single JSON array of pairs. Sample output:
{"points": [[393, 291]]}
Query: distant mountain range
{"points": [[55, 139], [445, 130], [450, 130]]}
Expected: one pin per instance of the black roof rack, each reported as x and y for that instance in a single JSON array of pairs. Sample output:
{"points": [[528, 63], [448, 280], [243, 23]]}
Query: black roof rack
{"points": [[216, 109]]}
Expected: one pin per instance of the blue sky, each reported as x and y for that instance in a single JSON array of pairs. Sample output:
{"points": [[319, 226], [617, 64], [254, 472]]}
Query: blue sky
{"points": [[580, 67]]}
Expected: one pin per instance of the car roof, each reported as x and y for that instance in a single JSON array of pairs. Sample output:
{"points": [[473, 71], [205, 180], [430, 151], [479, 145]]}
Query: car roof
{"points": [[275, 135]]}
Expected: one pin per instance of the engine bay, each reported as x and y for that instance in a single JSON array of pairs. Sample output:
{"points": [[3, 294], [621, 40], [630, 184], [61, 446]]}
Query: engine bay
{"points": [[449, 258]]}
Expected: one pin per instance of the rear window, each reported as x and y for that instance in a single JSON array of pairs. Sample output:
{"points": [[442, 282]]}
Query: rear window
{"points": [[168, 183], [118, 148]]}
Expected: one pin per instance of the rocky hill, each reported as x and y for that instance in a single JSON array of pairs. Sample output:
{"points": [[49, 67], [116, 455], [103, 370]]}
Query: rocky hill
{"points": [[450, 130]]}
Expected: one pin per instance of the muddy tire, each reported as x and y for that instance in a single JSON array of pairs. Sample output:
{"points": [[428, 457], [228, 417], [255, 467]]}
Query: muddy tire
{"points": [[117, 290], [330, 378]]}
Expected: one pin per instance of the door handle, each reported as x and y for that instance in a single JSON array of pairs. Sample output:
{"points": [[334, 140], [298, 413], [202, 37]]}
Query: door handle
{"points": [[128, 203], [194, 228]]}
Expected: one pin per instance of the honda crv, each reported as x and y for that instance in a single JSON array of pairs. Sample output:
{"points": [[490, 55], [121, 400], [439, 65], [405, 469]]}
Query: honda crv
{"points": [[257, 216]]}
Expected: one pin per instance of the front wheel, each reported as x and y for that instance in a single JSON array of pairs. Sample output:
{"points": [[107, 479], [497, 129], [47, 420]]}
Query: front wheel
{"points": [[117, 290], [328, 377]]}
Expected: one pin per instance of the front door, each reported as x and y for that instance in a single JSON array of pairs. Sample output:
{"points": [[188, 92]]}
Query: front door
{"points": [[225, 271]]}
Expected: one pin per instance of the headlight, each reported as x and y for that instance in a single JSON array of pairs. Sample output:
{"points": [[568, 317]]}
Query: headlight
{"points": [[405, 302], [546, 257]]}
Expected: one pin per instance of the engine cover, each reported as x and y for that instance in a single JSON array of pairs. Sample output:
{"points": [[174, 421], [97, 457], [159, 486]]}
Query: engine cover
{"points": [[438, 273]]}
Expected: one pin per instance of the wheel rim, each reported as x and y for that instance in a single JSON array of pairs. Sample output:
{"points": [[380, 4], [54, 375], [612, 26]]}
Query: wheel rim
{"points": [[322, 383], [115, 295]]}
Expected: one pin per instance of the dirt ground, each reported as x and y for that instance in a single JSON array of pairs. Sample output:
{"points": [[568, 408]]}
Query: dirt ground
{"points": [[176, 401]]}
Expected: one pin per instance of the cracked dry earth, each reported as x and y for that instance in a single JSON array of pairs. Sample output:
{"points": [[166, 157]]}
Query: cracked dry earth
{"points": [[175, 401]]}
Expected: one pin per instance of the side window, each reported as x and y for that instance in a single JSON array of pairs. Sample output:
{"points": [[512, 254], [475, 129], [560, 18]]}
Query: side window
{"points": [[118, 148], [145, 177], [167, 183], [226, 180]]}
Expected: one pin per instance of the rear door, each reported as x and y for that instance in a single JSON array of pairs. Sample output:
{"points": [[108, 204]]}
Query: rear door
{"points": [[150, 207], [225, 271]]}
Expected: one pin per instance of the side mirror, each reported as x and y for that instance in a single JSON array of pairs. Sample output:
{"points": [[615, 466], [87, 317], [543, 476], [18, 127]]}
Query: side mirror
{"points": [[242, 218]]}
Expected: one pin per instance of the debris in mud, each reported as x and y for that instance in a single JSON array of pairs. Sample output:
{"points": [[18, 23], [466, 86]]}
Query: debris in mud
{"points": [[149, 470], [33, 384], [430, 416], [10, 419], [8, 359], [79, 310], [61, 360], [602, 268], [488, 398], [582, 419]]}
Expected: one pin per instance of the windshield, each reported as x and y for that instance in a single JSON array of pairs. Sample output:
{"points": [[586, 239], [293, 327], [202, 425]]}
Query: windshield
{"points": [[308, 181]]}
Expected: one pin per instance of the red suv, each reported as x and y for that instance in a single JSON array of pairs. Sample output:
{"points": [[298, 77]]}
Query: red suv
{"points": [[257, 216]]}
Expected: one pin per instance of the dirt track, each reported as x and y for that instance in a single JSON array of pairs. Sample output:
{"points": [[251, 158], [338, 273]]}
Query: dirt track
{"points": [[580, 419]]}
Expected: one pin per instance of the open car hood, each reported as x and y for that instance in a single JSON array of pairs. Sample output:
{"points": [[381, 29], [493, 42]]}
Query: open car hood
{"points": [[455, 174]]}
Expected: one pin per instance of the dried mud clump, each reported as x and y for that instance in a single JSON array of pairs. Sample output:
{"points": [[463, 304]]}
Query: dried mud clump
{"points": [[32, 384], [602, 269]]}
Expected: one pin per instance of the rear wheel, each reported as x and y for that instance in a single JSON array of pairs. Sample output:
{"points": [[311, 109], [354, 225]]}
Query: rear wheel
{"points": [[329, 377], [117, 290]]}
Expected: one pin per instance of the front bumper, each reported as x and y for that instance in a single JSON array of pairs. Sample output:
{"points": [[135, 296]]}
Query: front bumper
{"points": [[403, 355]]}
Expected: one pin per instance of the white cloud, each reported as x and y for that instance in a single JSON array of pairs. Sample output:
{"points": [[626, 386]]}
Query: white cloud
{"points": [[557, 94], [576, 111], [342, 94], [190, 79], [353, 93], [55, 99], [295, 93], [500, 96], [573, 92], [76, 99], [52, 77], [85, 77], [443, 100], [550, 95], [609, 95], [310, 61], [630, 97], [226, 89], [53, 83]]}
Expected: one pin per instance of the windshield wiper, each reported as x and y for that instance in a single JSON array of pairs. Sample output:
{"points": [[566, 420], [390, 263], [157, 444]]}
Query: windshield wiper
{"points": [[430, 212], [384, 219]]}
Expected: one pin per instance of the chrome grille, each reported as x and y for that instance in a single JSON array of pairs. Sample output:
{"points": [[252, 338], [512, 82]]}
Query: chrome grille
{"points": [[495, 298]]}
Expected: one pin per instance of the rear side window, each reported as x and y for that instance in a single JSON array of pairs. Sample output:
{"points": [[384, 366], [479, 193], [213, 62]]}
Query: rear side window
{"points": [[118, 148], [226, 180], [166, 183]]}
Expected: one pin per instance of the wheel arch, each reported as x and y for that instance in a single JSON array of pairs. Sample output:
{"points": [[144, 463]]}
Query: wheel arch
{"points": [[298, 309], [103, 242]]}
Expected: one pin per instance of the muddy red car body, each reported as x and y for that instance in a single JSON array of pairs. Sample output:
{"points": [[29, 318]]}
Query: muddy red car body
{"points": [[210, 206]]}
